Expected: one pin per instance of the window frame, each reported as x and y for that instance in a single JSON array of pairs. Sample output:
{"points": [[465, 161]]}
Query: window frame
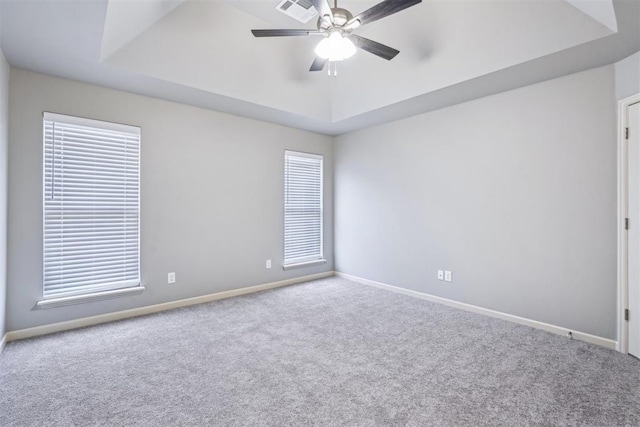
{"points": [[313, 259], [96, 290]]}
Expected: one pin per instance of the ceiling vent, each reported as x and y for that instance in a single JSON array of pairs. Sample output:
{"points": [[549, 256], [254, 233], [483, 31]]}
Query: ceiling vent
{"points": [[301, 10]]}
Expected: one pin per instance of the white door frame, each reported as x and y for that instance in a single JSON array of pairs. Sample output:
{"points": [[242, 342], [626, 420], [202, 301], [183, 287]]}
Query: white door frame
{"points": [[623, 203]]}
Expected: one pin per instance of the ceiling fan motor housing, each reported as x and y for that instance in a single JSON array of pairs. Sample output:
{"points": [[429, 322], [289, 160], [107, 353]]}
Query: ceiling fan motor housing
{"points": [[340, 17]]}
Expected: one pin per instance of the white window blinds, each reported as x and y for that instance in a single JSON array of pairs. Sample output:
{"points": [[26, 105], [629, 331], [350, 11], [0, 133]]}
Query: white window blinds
{"points": [[91, 206], [302, 208]]}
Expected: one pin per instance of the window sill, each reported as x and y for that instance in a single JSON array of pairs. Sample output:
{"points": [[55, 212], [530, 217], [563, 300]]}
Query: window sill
{"points": [[78, 299], [303, 264]]}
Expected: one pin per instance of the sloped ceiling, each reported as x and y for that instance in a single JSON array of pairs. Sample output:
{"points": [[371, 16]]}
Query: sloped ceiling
{"points": [[201, 52]]}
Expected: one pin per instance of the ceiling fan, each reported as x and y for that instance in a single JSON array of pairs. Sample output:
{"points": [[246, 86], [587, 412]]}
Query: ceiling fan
{"points": [[336, 25]]}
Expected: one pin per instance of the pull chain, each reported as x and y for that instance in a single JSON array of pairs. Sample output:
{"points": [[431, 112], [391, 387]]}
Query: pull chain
{"points": [[335, 68]]}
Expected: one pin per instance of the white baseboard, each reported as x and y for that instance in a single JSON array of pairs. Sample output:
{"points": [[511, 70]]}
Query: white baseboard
{"points": [[582, 336], [3, 342], [134, 312]]}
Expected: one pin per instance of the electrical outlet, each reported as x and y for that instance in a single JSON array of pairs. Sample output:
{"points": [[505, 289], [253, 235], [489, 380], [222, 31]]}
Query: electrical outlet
{"points": [[447, 276], [440, 274], [268, 263], [171, 278]]}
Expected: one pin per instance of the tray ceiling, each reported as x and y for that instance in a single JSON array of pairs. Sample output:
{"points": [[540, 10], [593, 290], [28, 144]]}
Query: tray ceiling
{"points": [[202, 53]]}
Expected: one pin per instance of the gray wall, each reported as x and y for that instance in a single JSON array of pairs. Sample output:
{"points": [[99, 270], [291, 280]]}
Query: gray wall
{"points": [[628, 76], [211, 195], [4, 116], [515, 193]]}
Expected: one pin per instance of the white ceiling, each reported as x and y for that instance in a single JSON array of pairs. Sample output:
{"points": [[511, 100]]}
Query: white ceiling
{"points": [[201, 52]]}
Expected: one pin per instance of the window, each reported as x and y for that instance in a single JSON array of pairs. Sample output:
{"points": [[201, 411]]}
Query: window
{"points": [[91, 199], [302, 208]]}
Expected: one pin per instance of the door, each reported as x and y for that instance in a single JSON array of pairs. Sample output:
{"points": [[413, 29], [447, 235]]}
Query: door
{"points": [[633, 144]]}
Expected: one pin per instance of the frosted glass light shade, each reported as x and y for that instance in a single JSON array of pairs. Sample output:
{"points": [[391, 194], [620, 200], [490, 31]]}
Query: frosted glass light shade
{"points": [[335, 47]]}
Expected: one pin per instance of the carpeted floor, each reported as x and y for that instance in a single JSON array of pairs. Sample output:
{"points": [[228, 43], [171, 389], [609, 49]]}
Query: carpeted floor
{"points": [[329, 352]]}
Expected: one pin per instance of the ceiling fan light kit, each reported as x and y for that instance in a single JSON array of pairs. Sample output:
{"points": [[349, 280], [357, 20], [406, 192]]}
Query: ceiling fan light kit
{"points": [[336, 25], [336, 47]]}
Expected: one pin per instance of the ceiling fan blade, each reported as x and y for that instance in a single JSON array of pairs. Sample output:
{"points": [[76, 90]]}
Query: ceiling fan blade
{"points": [[283, 33], [376, 48], [385, 8], [318, 64], [324, 8]]}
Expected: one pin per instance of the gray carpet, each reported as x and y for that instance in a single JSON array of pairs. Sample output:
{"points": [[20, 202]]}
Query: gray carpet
{"points": [[329, 352]]}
